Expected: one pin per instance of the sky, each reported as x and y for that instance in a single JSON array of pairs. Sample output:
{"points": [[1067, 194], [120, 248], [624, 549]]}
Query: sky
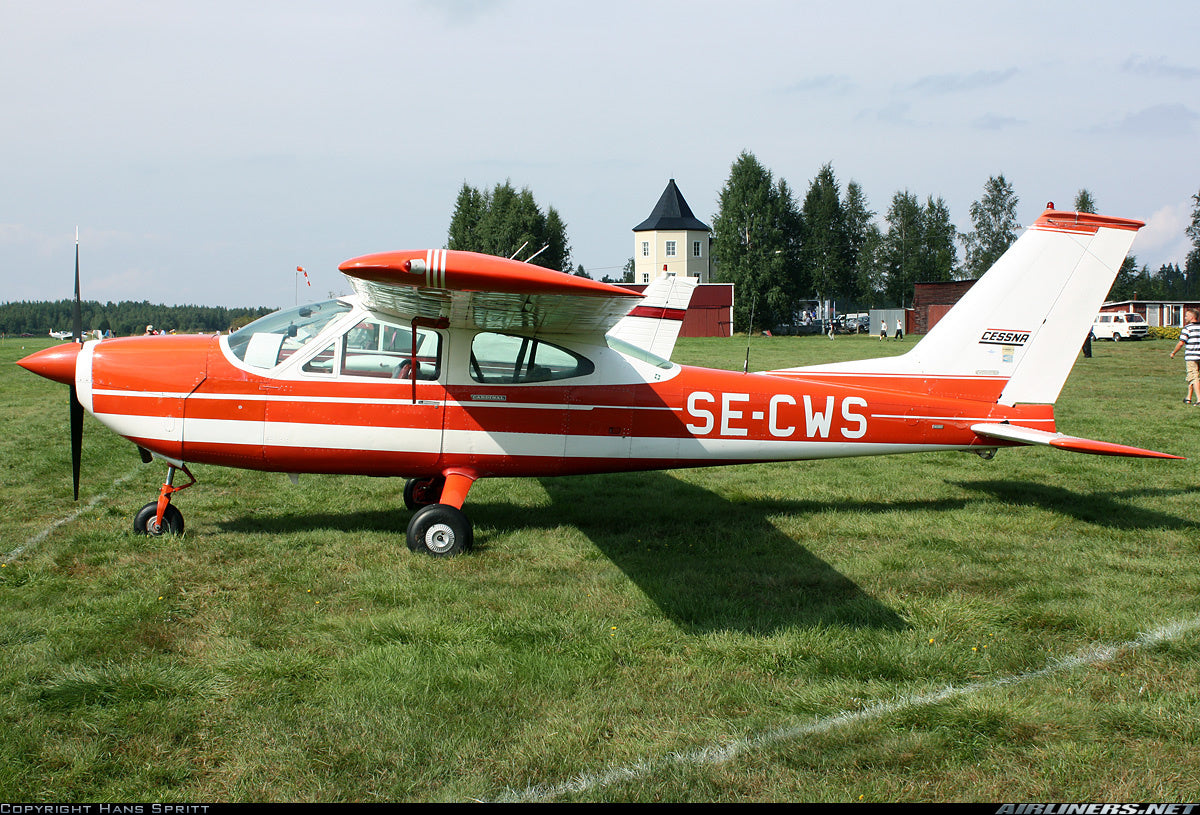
{"points": [[205, 150]]}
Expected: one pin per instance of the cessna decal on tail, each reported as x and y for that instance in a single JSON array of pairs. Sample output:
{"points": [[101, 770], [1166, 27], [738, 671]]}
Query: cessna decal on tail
{"points": [[995, 337], [446, 367]]}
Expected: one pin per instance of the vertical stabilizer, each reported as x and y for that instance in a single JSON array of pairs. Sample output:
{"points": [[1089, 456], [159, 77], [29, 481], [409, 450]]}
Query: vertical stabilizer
{"points": [[1022, 324], [654, 323]]}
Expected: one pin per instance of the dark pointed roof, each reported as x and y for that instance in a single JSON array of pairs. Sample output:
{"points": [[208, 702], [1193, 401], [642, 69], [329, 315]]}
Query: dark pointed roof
{"points": [[671, 212]]}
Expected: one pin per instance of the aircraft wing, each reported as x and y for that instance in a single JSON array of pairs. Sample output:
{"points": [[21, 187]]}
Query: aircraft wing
{"points": [[473, 290], [1025, 435]]}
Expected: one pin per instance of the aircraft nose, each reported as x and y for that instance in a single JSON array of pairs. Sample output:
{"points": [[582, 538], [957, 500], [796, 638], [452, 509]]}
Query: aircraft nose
{"points": [[57, 362]]}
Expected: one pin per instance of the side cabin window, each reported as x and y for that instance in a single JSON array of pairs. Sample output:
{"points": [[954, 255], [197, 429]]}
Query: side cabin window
{"points": [[384, 350], [505, 359]]}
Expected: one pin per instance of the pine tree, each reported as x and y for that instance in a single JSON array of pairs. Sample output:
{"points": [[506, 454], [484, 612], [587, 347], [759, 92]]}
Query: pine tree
{"points": [[1192, 264], [509, 223], [901, 255], [756, 243], [940, 261], [825, 243], [1084, 202]]}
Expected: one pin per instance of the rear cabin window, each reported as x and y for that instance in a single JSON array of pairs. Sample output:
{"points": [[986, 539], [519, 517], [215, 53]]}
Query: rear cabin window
{"points": [[503, 359]]}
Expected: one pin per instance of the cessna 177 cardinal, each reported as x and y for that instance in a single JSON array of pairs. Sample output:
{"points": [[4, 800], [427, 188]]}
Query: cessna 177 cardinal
{"points": [[445, 367]]}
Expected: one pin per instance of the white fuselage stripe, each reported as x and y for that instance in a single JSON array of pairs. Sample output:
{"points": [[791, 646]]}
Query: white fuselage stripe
{"points": [[476, 442], [371, 400]]}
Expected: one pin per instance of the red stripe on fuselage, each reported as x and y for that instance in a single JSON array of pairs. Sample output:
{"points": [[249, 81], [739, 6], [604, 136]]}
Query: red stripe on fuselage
{"points": [[557, 428]]}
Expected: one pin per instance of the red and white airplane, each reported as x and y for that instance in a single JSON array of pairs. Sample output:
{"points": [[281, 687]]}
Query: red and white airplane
{"points": [[446, 367]]}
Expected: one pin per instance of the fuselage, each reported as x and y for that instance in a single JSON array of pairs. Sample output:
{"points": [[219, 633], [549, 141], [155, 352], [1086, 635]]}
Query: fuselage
{"points": [[359, 392]]}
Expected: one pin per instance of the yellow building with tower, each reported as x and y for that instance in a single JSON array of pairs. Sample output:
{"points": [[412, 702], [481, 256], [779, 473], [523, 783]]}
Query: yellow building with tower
{"points": [[672, 241]]}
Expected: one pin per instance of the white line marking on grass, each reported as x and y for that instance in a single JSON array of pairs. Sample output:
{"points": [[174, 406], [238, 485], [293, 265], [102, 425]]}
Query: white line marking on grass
{"points": [[1095, 654], [66, 519]]}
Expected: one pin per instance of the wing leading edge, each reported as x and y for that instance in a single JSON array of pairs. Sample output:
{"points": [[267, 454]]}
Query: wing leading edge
{"points": [[473, 290]]}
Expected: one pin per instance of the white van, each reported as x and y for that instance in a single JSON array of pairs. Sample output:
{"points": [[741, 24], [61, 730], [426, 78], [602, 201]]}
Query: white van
{"points": [[1120, 325]]}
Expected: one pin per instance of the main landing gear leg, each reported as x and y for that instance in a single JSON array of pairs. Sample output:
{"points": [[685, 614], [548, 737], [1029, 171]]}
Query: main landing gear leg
{"points": [[161, 517], [442, 529]]}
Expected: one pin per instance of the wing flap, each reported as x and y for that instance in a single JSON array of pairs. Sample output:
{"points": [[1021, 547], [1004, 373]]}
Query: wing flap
{"points": [[1026, 435]]}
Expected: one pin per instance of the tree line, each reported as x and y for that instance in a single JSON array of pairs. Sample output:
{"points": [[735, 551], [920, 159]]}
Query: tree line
{"points": [[122, 319], [786, 253], [782, 253]]}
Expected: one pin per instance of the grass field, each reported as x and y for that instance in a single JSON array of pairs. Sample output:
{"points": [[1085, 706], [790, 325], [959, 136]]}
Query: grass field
{"points": [[930, 627]]}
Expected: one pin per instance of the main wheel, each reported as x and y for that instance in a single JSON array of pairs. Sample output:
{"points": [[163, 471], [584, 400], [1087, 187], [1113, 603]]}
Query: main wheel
{"points": [[440, 530], [422, 492], [144, 521]]}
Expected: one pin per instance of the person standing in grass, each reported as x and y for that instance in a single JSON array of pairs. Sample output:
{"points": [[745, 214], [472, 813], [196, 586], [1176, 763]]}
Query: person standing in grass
{"points": [[1189, 340]]}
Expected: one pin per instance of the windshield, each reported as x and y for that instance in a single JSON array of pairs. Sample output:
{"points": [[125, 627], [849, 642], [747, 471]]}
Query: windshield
{"points": [[269, 340]]}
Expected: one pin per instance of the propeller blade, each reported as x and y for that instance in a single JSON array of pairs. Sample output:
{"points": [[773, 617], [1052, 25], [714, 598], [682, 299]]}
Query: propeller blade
{"points": [[76, 407], [76, 439], [76, 320]]}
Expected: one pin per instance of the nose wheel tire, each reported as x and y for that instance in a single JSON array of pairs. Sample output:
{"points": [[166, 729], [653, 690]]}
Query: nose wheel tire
{"points": [[440, 530], [144, 522]]}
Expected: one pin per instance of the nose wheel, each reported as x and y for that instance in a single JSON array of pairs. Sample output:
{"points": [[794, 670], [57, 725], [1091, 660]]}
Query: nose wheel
{"points": [[439, 527], [161, 517], [146, 522]]}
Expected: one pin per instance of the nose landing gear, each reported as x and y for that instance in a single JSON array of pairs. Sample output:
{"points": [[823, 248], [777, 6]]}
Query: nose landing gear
{"points": [[161, 517], [439, 527]]}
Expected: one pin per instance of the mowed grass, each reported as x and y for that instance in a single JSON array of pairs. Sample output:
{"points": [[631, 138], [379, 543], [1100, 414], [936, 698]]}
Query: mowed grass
{"points": [[914, 628]]}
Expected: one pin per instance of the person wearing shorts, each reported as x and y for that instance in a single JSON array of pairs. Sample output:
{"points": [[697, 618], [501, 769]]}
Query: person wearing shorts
{"points": [[1189, 341]]}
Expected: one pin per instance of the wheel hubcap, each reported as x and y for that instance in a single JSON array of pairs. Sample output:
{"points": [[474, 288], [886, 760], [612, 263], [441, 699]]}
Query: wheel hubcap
{"points": [[439, 538]]}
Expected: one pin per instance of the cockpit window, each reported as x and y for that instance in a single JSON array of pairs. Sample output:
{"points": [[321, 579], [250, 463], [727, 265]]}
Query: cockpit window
{"points": [[270, 340], [386, 350]]}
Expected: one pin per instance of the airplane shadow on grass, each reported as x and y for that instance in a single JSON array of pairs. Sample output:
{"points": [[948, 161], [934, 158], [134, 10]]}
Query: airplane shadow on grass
{"points": [[715, 564], [1109, 508], [709, 563]]}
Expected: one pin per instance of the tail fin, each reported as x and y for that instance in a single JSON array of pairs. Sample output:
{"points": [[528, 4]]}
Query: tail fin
{"points": [[1020, 327], [654, 323]]}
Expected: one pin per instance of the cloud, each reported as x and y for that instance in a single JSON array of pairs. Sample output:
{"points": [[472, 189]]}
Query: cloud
{"points": [[896, 113], [824, 83], [994, 121], [960, 83], [1165, 233], [1166, 120], [1158, 68]]}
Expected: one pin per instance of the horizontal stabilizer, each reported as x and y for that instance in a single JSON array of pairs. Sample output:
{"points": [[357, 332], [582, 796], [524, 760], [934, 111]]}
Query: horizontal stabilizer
{"points": [[1025, 435]]}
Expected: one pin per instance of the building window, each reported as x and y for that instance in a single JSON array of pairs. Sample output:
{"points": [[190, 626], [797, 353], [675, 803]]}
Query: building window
{"points": [[696, 249], [645, 249], [670, 249], [645, 277]]}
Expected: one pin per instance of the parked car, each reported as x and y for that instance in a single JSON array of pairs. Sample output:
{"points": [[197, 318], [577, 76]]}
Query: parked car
{"points": [[1120, 325]]}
